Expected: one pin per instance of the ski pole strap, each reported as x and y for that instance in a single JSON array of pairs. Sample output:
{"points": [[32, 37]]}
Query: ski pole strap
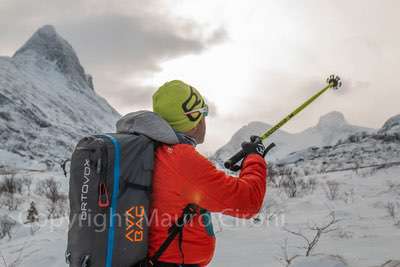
{"points": [[188, 213]]}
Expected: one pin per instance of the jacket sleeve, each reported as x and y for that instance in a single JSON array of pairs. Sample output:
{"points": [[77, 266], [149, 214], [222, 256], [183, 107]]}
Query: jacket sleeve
{"points": [[215, 191]]}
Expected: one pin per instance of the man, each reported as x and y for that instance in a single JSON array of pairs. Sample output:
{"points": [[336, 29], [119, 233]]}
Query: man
{"points": [[183, 176]]}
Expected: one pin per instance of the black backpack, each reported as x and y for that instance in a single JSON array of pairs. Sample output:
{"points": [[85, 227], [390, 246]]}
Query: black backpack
{"points": [[109, 194]]}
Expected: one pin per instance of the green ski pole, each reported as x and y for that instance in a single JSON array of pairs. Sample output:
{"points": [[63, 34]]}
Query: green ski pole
{"points": [[333, 82]]}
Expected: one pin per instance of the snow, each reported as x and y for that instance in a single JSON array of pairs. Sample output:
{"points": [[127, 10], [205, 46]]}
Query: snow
{"points": [[318, 261], [366, 235], [16, 162], [45, 248]]}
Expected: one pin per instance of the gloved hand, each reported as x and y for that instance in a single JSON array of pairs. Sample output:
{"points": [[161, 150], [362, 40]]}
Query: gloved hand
{"points": [[255, 146]]}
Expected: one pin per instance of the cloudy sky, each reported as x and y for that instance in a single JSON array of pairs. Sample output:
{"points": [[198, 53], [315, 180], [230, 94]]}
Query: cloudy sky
{"points": [[253, 60]]}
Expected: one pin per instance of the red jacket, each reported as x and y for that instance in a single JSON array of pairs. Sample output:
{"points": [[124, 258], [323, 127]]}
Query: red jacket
{"points": [[183, 176]]}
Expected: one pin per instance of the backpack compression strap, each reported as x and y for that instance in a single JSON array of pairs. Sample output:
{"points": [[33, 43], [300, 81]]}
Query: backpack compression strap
{"points": [[188, 213]]}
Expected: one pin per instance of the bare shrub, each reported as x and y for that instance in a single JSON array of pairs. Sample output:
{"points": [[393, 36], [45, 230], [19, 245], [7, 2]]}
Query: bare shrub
{"points": [[391, 209], [4, 260], [27, 182], [6, 225], [10, 201], [51, 190], [367, 172], [288, 182], [285, 258], [317, 231], [57, 209], [394, 187], [312, 183], [307, 186], [307, 171], [343, 234], [273, 174], [348, 196], [332, 190], [271, 212], [11, 184]]}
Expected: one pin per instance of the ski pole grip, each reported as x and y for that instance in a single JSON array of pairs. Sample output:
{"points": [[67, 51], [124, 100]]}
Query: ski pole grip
{"points": [[234, 159]]}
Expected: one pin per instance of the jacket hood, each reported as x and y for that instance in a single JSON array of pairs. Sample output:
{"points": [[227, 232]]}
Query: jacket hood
{"points": [[149, 124]]}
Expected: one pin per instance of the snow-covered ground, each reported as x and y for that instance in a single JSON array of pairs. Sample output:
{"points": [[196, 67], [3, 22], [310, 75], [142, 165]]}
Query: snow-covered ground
{"points": [[41, 243], [366, 235]]}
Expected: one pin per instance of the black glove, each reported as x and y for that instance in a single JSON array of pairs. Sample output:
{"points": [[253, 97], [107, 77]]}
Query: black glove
{"points": [[255, 146]]}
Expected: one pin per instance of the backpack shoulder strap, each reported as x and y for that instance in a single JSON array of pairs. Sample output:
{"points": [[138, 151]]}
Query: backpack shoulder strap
{"points": [[188, 213]]}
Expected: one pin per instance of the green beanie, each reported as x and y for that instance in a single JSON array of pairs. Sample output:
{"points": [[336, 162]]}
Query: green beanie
{"points": [[175, 98]]}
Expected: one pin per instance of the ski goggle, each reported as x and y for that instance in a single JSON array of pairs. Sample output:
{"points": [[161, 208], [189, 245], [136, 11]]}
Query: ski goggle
{"points": [[203, 111]]}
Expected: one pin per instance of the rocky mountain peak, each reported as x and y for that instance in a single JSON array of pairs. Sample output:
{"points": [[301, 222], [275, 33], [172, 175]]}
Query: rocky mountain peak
{"points": [[49, 45], [335, 118]]}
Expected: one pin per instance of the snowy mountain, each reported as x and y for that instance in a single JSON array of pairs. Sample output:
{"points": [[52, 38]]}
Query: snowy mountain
{"points": [[330, 128], [392, 125], [47, 101], [359, 150]]}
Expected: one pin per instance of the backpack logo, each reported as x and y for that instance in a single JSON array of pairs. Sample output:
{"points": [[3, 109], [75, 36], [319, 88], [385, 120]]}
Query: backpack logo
{"points": [[85, 190], [134, 221]]}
